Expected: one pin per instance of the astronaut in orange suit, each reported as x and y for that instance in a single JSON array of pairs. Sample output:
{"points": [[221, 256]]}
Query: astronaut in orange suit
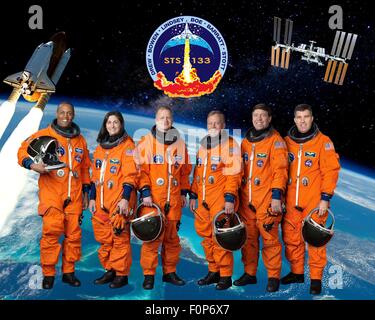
{"points": [[164, 180], [264, 181], [313, 173], [112, 198], [217, 177], [63, 193]]}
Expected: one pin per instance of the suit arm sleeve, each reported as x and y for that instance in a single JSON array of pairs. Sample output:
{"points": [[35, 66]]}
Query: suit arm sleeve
{"points": [[185, 172], [23, 157], [193, 193], [130, 171], [85, 166], [94, 177], [279, 166], [329, 169], [232, 169], [142, 160]]}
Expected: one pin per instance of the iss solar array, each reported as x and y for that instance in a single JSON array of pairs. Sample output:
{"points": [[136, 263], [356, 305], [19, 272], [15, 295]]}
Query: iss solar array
{"points": [[336, 61]]}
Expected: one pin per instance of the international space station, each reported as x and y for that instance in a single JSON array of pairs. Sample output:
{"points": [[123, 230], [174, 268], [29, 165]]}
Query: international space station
{"points": [[336, 62]]}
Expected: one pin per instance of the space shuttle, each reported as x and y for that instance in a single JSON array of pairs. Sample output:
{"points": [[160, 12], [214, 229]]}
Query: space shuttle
{"points": [[42, 71], [187, 34], [34, 78]]}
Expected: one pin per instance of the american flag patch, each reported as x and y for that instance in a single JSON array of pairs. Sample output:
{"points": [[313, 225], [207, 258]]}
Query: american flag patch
{"points": [[329, 146], [280, 145], [234, 150]]}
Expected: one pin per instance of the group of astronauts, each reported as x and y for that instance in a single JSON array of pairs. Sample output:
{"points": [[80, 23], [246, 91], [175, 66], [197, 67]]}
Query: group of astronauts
{"points": [[269, 181]]}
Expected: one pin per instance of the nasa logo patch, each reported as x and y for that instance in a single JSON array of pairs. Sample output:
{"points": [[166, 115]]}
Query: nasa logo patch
{"points": [[308, 163], [260, 163], [78, 159], [113, 169]]}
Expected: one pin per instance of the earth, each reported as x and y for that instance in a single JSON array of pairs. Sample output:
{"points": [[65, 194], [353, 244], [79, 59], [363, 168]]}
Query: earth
{"points": [[351, 253]]}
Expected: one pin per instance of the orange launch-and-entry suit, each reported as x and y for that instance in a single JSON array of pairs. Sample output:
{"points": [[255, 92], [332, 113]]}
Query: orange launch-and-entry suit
{"points": [[313, 173], [264, 178], [114, 177], [164, 174], [56, 188], [217, 177]]}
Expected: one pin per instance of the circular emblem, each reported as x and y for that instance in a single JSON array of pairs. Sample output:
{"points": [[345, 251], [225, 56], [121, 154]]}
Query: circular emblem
{"points": [[159, 181], [98, 164], [305, 181], [113, 169], [78, 159], [213, 167], [186, 57], [257, 181], [158, 159], [308, 163], [260, 163], [61, 150], [60, 173], [291, 157], [110, 184], [211, 179]]}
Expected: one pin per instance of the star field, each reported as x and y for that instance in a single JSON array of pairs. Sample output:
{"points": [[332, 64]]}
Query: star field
{"points": [[108, 62]]}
